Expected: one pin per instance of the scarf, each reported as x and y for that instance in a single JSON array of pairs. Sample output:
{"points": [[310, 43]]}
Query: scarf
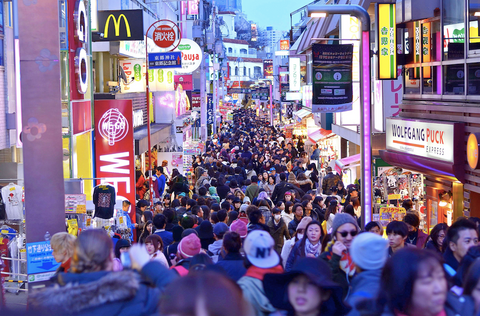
{"points": [[312, 249], [259, 273], [346, 262]]}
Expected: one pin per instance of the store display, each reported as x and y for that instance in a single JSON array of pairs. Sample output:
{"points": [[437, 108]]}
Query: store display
{"points": [[104, 200], [12, 198]]}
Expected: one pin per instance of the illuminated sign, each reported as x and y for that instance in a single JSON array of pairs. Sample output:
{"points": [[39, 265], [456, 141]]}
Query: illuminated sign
{"points": [[192, 55], [387, 42], [426, 42], [424, 139], [294, 74], [165, 60], [284, 44], [472, 150], [120, 25], [80, 19]]}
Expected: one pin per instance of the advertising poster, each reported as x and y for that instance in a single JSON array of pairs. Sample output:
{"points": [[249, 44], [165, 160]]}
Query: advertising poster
{"points": [[268, 68], [177, 160], [196, 101], [388, 214], [332, 78], [210, 116], [185, 80], [387, 42], [182, 103]]}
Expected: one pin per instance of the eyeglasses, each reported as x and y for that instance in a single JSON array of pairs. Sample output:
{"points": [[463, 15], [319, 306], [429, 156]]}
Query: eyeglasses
{"points": [[352, 233]]}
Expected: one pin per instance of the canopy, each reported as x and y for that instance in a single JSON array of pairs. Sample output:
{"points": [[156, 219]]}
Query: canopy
{"points": [[318, 135], [303, 113], [347, 162]]}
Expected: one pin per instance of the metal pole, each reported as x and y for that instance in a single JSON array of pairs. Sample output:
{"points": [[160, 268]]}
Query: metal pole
{"points": [[271, 106], [203, 104], [365, 107], [149, 171]]}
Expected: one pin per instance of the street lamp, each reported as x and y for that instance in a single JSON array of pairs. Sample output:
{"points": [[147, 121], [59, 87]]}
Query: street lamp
{"points": [[365, 125]]}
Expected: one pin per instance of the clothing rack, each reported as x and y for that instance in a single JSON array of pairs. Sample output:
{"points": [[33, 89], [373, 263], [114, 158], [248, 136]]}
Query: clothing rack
{"points": [[17, 277]]}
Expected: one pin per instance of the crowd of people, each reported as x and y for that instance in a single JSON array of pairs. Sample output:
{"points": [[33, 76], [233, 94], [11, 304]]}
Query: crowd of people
{"points": [[262, 232]]}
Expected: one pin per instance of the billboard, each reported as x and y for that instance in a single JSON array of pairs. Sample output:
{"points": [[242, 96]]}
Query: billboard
{"points": [[387, 42], [254, 33], [294, 73], [267, 68]]}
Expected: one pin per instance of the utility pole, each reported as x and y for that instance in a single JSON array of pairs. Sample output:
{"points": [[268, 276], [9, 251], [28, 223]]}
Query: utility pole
{"points": [[203, 103], [214, 60]]}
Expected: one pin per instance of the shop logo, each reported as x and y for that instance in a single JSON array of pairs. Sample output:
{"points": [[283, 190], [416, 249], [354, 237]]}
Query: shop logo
{"points": [[116, 24], [113, 126]]}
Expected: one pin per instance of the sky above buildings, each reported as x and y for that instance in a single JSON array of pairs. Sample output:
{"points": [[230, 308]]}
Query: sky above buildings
{"points": [[274, 13]]}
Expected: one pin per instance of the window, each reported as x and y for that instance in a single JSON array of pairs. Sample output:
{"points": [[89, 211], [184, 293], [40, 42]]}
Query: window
{"points": [[474, 79], [236, 71], [454, 79], [243, 51], [412, 80], [474, 36], [453, 29], [249, 72], [244, 71], [230, 50]]}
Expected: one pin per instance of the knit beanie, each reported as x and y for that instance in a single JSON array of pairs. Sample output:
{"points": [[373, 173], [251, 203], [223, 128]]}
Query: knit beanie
{"points": [[304, 222], [239, 227], [369, 251], [291, 177], [343, 218], [189, 246], [212, 190]]}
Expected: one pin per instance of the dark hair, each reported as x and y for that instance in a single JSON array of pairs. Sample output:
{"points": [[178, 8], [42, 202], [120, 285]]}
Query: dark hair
{"points": [[202, 191], [159, 221], [407, 204], [297, 205], [355, 201], [156, 241], [195, 209], [301, 246], [183, 201], [276, 210], [225, 205], [222, 215], [215, 207], [169, 214], [349, 210], [399, 275], [412, 219], [317, 200], [255, 216], [305, 203], [187, 221], [434, 235], [145, 233], [263, 203], [472, 277], [371, 225], [232, 242], [214, 217], [454, 230], [472, 254], [206, 211], [397, 228], [233, 215], [331, 209], [191, 202], [200, 262], [126, 202], [250, 209], [122, 243], [254, 179], [287, 206], [175, 203], [282, 176]]}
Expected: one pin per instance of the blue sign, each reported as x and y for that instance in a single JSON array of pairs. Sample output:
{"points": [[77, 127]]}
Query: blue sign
{"points": [[210, 116], [40, 258], [165, 60]]}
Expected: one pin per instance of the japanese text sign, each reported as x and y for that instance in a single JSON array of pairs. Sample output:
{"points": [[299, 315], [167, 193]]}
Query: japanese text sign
{"points": [[40, 258], [387, 42], [165, 60]]}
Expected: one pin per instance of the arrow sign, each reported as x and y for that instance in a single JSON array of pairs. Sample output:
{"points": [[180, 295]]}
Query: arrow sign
{"points": [[40, 258]]}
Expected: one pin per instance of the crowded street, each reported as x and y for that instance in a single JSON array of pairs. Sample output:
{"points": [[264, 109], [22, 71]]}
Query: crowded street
{"points": [[240, 158]]}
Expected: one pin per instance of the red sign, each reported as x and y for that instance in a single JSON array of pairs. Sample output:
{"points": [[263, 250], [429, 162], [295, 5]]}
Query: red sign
{"points": [[81, 116], [196, 101], [185, 80], [284, 44], [164, 36], [114, 147]]}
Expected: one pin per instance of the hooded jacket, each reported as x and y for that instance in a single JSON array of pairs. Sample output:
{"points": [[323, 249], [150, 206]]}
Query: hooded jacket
{"points": [[305, 185], [104, 293], [364, 286]]}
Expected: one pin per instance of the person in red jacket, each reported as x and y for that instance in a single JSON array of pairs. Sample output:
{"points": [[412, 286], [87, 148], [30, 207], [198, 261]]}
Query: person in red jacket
{"points": [[140, 185]]}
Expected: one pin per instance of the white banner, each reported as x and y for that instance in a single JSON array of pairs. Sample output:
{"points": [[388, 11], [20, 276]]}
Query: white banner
{"points": [[294, 73], [425, 139]]}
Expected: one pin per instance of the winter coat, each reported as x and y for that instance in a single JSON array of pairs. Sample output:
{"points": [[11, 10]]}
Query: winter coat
{"points": [[286, 250], [278, 234], [252, 191], [421, 239], [250, 174], [140, 189], [329, 181], [280, 189], [267, 214], [287, 218], [338, 274], [305, 185], [223, 191], [294, 255], [104, 292], [365, 286], [233, 265], [201, 182], [292, 226]]}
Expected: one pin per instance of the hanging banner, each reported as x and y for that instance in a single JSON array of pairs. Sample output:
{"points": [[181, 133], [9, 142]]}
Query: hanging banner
{"points": [[332, 78], [294, 73], [267, 68], [196, 101], [387, 42], [426, 51], [210, 113], [114, 147]]}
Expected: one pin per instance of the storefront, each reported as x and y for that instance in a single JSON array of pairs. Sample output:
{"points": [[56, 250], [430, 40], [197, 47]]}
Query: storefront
{"points": [[432, 152]]}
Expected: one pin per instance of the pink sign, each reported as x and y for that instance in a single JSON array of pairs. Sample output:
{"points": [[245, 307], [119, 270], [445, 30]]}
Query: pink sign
{"points": [[185, 80], [193, 7]]}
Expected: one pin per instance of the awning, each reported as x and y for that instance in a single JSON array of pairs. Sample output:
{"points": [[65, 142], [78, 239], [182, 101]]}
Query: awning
{"points": [[347, 162], [158, 133], [425, 165], [318, 135], [303, 113]]}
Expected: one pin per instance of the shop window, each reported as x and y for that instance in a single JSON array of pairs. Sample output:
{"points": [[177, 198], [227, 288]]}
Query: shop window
{"points": [[431, 42], [430, 80], [453, 29], [244, 71], [454, 79], [474, 79], [236, 71], [473, 21], [412, 80]]}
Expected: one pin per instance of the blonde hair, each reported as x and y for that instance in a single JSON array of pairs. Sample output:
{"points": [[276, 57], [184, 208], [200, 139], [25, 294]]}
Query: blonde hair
{"points": [[93, 251], [63, 242]]}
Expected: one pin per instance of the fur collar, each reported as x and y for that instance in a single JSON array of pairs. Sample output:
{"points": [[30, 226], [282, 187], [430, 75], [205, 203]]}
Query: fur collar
{"points": [[302, 182], [76, 297]]}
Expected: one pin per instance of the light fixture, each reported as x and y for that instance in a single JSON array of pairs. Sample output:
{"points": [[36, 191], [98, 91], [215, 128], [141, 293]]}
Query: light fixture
{"points": [[318, 15], [477, 13], [445, 198]]}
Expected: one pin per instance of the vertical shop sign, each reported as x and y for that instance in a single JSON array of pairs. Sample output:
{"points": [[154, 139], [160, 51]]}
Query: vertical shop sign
{"points": [[195, 101], [417, 48], [114, 147], [426, 30], [39, 70], [332, 78], [210, 113], [267, 68], [387, 42], [294, 73]]}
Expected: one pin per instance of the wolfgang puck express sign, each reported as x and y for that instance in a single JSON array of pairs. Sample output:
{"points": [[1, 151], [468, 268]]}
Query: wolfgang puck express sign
{"points": [[421, 138]]}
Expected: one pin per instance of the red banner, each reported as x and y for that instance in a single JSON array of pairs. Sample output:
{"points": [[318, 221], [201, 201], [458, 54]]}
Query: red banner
{"points": [[114, 148]]}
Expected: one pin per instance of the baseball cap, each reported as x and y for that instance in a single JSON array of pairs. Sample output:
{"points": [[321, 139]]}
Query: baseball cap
{"points": [[273, 169], [259, 249], [220, 228]]}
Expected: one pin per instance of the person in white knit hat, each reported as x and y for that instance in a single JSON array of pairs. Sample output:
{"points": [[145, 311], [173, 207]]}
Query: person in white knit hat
{"points": [[369, 252]]}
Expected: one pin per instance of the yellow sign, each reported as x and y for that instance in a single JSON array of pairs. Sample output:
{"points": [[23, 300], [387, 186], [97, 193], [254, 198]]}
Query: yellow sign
{"points": [[389, 213], [81, 209], [426, 48], [116, 23], [72, 227], [394, 196], [387, 42], [472, 150]]}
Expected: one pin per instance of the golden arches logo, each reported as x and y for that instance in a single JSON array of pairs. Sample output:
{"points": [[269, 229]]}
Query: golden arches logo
{"points": [[116, 23]]}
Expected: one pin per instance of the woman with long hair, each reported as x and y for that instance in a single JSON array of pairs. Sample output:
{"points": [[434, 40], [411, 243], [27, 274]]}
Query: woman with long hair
{"points": [[436, 238], [270, 186], [330, 214], [309, 246], [147, 231], [154, 245]]}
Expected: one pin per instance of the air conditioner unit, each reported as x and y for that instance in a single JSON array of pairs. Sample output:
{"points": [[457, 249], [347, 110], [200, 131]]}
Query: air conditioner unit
{"points": [[197, 31]]}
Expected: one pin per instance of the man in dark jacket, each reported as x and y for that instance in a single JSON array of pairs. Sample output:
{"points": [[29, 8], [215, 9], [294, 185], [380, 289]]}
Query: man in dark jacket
{"points": [[329, 181], [257, 221], [298, 212], [282, 187], [460, 237], [233, 261], [415, 235], [139, 223]]}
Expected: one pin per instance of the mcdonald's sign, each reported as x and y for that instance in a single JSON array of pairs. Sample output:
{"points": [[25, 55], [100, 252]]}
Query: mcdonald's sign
{"points": [[121, 25]]}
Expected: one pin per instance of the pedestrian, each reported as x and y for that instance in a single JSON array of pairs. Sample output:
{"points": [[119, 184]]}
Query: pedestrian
{"points": [[471, 285], [436, 238], [308, 289], [369, 254], [257, 221], [215, 249], [287, 214], [139, 223], [233, 261], [147, 231], [261, 258], [102, 291], [461, 236], [278, 229], [330, 215], [122, 245], [374, 227], [337, 255], [304, 183], [154, 245], [171, 250], [188, 247], [298, 213], [397, 233], [160, 221], [415, 235], [329, 181], [309, 246], [62, 245], [297, 236]]}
